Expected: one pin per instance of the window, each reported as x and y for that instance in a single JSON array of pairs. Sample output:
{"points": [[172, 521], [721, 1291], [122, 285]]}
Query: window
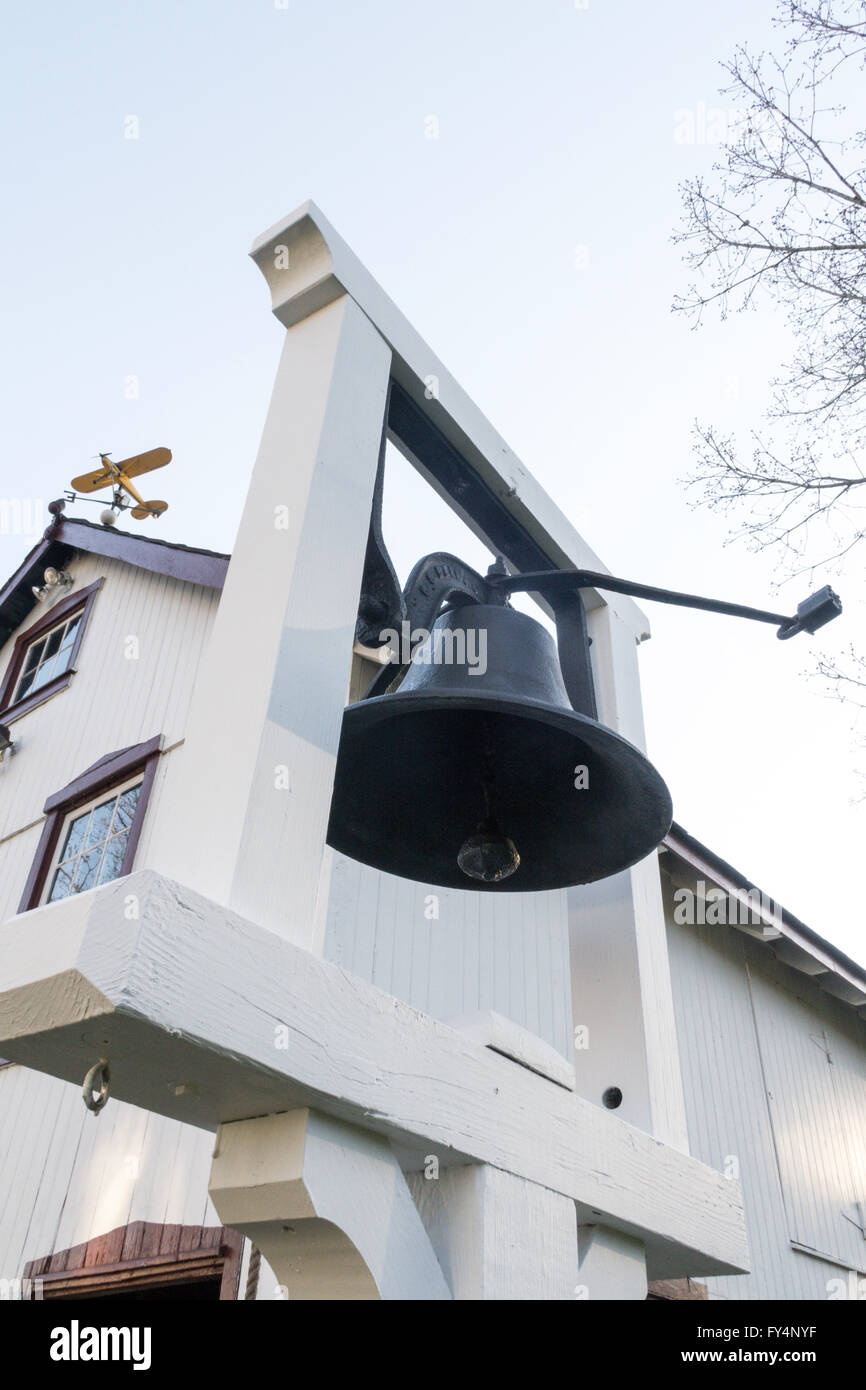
{"points": [[43, 658], [93, 843], [92, 826], [47, 657]]}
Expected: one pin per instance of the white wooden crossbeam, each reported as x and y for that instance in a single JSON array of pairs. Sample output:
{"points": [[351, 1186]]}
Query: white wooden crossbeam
{"points": [[207, 1017]]}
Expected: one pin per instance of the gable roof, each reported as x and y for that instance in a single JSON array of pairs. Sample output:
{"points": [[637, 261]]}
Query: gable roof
{"points": [[66, 536]]}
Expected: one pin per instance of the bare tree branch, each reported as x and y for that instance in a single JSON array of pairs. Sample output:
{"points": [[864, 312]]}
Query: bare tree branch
{"points": [[782, 219]]}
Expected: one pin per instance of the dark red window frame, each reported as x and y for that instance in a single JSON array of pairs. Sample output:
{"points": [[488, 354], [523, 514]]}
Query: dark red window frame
{"points": [[60, 612], [109, 772]]}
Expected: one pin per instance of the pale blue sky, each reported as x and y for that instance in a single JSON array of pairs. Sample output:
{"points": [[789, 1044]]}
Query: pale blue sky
{"points": [[127, 257]]}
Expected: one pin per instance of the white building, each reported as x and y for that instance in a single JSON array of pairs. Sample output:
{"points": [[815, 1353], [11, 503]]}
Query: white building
{"points": [[549, 1095]]}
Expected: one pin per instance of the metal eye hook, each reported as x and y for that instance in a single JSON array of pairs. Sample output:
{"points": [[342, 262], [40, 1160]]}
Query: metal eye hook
{"points": [[98, 1078]]}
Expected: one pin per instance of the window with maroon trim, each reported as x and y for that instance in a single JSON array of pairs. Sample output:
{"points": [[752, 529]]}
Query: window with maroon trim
{"points": [[92, 826], [93, 842], [43, 658]]}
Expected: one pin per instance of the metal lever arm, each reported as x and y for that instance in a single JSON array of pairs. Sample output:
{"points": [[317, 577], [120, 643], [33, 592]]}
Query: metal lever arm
{"points": [[811, 614]]}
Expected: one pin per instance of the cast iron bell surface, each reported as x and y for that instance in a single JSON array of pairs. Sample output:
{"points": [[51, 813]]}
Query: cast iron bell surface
{"points": [[450, 753]]}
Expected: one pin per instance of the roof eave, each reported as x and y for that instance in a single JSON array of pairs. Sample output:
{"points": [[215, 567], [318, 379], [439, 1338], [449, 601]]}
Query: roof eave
{"points": [[847, 979], [66, 536]]}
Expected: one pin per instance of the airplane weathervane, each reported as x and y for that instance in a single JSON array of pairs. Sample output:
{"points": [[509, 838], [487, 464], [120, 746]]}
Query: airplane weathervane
{"points": [[118, 476]]}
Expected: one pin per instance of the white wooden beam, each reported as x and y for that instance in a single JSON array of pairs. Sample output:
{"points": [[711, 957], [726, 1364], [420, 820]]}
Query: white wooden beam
{"points": [[511, 1040], [622, 997], [208, 1018], [328, 1206], [307, 264], [246, 802]]}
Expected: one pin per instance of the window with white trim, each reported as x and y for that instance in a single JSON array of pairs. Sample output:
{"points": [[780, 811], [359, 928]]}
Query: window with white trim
{"points": [[93, 840], [47, 657]]}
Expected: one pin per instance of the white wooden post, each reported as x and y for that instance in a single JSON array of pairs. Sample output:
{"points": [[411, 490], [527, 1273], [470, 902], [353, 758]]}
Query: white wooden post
{"points": [[498, 1236], [612, 1265], [246, 807], [622, 998], [625, 1029]]}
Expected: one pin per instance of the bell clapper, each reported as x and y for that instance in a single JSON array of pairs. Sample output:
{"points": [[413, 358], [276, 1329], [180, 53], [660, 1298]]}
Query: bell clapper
{"points": [[488, 855]]}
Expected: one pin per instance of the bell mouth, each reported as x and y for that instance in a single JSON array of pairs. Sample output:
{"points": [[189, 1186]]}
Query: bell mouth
{"points": [[409, 790]]}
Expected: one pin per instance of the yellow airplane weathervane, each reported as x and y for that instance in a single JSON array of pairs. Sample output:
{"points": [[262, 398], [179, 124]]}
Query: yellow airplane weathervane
{"points": [[118, 477]]}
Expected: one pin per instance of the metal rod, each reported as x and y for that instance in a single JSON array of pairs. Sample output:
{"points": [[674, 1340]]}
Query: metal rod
{"points": [[545, 581], [98, 501]]}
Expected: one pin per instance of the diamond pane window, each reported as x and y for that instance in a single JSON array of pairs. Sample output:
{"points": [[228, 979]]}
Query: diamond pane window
{"points": [[93, 843], [47, 657]]}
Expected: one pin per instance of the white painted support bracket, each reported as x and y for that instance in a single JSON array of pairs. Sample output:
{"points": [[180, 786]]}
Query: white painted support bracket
{"points": [[327, 1205], [209, 1018]]}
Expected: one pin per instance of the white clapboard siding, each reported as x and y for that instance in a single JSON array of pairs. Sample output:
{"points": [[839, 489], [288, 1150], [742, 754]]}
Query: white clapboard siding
{"points": [[66, 1176], [507, 952], [452, 953], [17, 852], [813, 1075], [112, 702], [760, 1106], [69, 1176]]}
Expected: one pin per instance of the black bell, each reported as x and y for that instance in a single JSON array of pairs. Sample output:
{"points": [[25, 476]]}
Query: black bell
{"points": [[477, 773]]}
